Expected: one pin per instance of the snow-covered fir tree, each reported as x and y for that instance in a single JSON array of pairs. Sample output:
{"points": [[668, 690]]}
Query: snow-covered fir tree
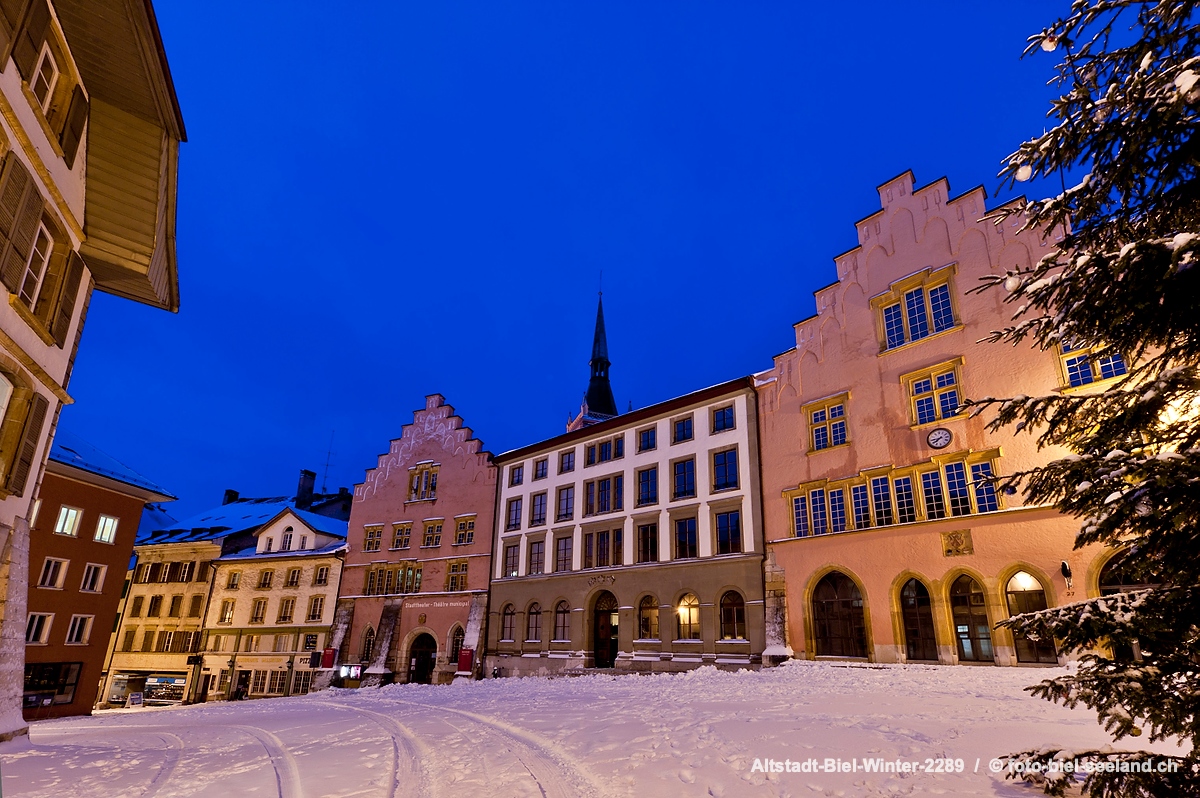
{"points": [[1122, 281]]}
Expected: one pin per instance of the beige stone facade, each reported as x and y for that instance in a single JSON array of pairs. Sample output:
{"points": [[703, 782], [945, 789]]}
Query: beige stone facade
{"points": [[634, 543], [888, 542], [271, 608]]}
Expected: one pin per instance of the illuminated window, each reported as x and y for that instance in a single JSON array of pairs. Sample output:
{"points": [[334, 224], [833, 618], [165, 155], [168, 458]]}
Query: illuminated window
{"points": [[422, 485], [934, 392], [688, 617], [915, 308]]}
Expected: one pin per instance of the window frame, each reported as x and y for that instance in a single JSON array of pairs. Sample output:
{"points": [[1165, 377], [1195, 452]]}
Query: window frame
{"points": [[828, 423], [58, 574], [927, 281], [935, 393], [73, 516], [728, 419], [111, 530]]}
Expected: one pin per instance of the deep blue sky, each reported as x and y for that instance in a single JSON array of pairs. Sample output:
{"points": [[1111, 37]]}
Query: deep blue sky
{"points": [[408, 198]]}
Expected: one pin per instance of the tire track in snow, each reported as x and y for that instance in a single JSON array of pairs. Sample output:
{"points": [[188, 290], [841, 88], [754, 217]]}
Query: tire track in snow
{"points": [[287, 772], [173, 748], [402, 738], [554, 774]]}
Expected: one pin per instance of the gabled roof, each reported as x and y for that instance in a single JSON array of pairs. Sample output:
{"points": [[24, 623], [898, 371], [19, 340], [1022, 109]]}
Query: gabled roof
{"points": [[71, 450], [252, 552], [241, 515]]}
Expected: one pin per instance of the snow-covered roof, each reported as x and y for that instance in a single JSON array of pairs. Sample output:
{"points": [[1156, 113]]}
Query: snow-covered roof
{"points": [[240, 515], [71, 450]]}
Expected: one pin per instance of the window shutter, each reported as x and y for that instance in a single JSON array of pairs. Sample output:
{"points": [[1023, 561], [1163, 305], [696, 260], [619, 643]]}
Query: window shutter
{"points": [[66, 300], [27, 44], [72, 133], [11, 14], [29, 441], [20, 210]]}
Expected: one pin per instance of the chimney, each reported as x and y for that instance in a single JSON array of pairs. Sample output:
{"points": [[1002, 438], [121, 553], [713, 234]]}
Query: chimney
{"points": [[304, 490], [230, 496]]}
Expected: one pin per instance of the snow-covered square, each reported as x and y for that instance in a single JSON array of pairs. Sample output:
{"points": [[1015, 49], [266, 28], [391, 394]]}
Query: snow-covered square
{"points": [[698, 733]]}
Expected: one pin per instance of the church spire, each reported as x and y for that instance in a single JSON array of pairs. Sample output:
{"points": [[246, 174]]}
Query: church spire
{"points": [[599, 395]]}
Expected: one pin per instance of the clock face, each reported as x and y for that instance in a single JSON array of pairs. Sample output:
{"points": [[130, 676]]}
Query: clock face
{"points": [[939, 438]]}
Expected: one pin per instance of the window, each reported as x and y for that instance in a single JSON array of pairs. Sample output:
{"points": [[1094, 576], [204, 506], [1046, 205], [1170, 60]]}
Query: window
{"points": [[648, 618], [508, 623], [689, 617], [514, 514], [837, 511], [588, 550], [316, 604], [681, 430], [516, 475], [79, 630], [301, 682], [685, 539], [45, 78], [226, 611], [265, 578], [136, 610], [148, 640], [456, 643], [566, 503], [800, 516], [882, 497], [37, 628], [465, 531], [130, 639], [589, 455], [401, 536], [537, 556], [533, 624], [285, 540], [54, 572], [195, 606], [537, 509], [35, 268], [604, 495], [176, 607], [722, 419], [562, 554], [985, 488], [321, 576], [562, 621], [259, 611], [733, 616], [605, 546], [511, 558], [235, 579], [303, 542], [725, 470], [433, 536], [541, 468], [931, 490], [566, 462], [729, 532], [271, 545], [68, 521], [106, 529], [155, 608], [683, 485], [647, 538], [647, 481], [915, 308], [456, 576], [647, 440], [933, 392], [906, 504], [827, 423], [1082, 367], [293, 578], [422, 485], [606, 451], [186, 570], [372, 537], [287, 608]]}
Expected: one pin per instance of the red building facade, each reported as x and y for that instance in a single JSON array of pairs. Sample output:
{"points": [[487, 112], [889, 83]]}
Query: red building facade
{"points": [[413, 598], [81, 542]]}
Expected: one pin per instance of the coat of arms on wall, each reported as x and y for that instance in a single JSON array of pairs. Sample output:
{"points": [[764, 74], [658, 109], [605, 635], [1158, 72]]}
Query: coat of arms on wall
{"points": [[957, 543]]}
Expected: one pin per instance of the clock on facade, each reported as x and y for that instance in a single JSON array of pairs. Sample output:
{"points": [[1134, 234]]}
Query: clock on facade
{"points": [[939, 438]]}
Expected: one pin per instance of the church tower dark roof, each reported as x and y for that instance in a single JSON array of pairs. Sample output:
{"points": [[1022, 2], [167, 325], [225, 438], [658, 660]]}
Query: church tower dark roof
{"points": [[599, 396]]}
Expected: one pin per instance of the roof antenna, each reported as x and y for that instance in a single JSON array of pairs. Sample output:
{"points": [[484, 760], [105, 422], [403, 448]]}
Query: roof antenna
{"points": [[328, 458], [601, 288]]}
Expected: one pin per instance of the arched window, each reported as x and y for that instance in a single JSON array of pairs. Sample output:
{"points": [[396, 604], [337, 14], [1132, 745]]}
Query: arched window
{"points": [[918, 621], [688, 614], [971, 628], [508, 623], [562, 621], [533, 623], [368, 644], [1118, 576], [456, 643], [1025, 594], [838, 623], [733, 616], [648, 618], [6, 392]]}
